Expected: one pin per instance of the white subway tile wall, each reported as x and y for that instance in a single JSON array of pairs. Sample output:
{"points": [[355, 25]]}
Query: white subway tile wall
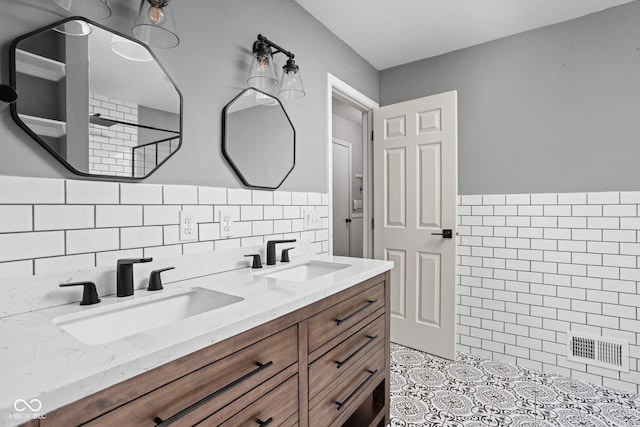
{"points": [[55, 225], [533, 266]]}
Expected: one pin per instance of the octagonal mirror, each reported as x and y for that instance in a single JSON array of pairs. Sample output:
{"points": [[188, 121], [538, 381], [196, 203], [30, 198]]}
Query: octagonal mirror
{"points": [[258, 139], [97, 101]]}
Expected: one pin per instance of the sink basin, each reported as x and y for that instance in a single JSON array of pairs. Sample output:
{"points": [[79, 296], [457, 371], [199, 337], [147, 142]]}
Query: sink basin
{"points": [[101, 325], [307, 271]]}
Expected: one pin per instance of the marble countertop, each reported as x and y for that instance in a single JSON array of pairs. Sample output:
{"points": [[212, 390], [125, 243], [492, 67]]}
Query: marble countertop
{"points": [[43, 366]]}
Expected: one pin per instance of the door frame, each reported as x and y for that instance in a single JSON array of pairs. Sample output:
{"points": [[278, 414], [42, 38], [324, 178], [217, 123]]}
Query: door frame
{"points": [[346, 93], [349, 147]]}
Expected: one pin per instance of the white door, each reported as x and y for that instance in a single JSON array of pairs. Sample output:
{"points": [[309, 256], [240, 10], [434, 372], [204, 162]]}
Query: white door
{"points": [[415, 192], [341, 157]]}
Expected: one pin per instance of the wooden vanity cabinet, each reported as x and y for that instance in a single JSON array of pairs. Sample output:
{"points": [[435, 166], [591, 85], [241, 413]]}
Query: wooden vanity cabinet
{"points": [[348, 359], [325, 365]]}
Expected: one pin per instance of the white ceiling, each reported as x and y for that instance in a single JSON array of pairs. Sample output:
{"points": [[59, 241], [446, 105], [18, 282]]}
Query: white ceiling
{"points": [[393, 32]]}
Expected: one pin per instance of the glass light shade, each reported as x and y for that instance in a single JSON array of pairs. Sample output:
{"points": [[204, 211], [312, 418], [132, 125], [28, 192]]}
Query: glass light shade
{"points": [[93, 9], [74, 28], [262, 75], [129, 49], [291, 85], [156, 26]]}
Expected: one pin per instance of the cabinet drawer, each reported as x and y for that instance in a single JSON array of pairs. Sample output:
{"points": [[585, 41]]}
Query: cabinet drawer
{"points": [[343, 397], [340, 317], [341, 360], [223, 381], [273, 409]]}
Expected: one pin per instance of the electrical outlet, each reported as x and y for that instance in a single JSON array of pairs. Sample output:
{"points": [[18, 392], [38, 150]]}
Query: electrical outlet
{"points": [[226, 224], [188, 226], [311, 218]]}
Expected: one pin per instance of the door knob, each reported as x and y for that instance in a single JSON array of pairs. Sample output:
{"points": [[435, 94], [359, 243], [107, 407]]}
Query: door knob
{"points": [[446, 234], [348, 220]]}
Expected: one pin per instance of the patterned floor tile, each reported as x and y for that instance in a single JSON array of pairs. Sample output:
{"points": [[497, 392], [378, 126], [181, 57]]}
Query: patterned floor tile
{"points": [[474, 392]]}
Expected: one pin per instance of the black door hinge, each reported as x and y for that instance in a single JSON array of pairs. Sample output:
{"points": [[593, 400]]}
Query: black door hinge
{"points": [[372, 223], [372, 135]]}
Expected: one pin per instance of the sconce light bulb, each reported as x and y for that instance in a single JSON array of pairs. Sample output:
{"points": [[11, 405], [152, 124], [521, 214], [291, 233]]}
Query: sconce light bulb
{"points": [[156, 15], [263, 63]]}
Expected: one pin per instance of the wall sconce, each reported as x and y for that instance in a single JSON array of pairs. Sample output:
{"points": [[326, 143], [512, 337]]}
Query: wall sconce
{"points": [[93, 9], [155, 25], [262, 74], [7, 96]]}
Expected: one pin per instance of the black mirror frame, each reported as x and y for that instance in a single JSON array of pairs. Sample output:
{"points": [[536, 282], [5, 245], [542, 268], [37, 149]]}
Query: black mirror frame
{"points": [[224, 142], [27, 129]]}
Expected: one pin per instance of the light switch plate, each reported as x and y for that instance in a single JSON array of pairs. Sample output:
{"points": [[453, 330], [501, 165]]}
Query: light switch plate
{"points": [[311, 218], [188, 227], [226, 223]]}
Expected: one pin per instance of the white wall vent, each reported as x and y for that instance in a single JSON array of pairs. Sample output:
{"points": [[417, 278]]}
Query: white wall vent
{"points": [[607, 353]]}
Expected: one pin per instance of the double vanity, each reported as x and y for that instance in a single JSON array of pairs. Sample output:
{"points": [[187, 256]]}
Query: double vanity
{"points": [[298, 344]]}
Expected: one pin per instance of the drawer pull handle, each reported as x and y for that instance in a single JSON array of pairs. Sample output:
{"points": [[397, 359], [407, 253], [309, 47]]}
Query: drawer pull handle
{"points": [[357, 390], [161, 423], [355, 313], [264, 423], [370, 339]]}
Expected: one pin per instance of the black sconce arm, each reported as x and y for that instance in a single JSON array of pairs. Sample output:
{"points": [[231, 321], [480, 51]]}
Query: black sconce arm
{"points": [[275, 46]]}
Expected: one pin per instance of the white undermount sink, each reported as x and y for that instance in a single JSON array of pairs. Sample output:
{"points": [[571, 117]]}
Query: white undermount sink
{"points": [[101, 325], [303, 272]]}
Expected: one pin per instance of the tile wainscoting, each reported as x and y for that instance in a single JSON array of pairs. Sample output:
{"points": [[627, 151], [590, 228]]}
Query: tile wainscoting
{"points": [[55, 225], [532, 267]]}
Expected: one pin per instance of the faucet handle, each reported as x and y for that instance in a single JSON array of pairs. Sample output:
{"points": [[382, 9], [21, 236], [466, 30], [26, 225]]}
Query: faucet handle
{"points": [[155, 282], [284, 257], [89, 295], [257, 262]]}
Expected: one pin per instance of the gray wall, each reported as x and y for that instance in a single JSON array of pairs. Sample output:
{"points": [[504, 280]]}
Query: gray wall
{"points": [[210, 67], [350, 131], [551, 110]]}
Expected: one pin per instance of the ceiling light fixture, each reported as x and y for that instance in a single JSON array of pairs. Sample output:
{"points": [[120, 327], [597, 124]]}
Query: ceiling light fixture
{"points": [[262, 74], [155, 25], [93, 9]]}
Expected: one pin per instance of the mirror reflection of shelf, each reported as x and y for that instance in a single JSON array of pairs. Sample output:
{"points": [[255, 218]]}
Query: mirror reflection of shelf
{"points": [[39, 66], [45, 127]]}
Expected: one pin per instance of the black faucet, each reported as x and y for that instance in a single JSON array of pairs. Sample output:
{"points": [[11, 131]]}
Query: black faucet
{"points": [[271, 249], [124, 275]]}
